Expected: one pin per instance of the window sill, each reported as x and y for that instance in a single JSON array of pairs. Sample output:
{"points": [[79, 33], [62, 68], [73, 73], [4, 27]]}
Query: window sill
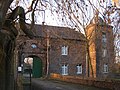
{"points": [[105, 72], [64, 74], [79, 73], [64, 54]]}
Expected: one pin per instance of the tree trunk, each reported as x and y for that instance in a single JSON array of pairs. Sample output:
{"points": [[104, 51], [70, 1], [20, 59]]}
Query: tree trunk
{"points": [[2, 65], [6, 67], [6, 62]]}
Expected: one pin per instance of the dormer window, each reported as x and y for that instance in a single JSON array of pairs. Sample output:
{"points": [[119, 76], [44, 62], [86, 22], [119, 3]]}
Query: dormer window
{"points": [[33, 45], [64, 50]]}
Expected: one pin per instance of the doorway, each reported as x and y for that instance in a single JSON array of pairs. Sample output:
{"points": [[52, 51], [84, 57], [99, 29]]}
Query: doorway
{"points": [[37, 67], [35, 64]]}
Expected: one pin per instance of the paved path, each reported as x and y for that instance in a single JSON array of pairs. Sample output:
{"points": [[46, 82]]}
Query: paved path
{"points": [[40, 84]]}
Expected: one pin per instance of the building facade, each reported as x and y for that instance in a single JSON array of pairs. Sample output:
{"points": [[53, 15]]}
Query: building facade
{"points": [[54, 50], [62, 51]]}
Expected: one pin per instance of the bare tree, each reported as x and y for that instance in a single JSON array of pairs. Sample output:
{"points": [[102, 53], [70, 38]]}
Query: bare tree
{"points": [[8, 34]]}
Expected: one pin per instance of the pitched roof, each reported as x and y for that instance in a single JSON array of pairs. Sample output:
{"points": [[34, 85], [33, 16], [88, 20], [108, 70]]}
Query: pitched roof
{"points": [[57, 32]]}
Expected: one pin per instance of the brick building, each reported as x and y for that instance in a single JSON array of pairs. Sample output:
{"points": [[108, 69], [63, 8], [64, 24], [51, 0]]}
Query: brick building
{"points": [[101, 46], [62, 51], [56, 50]]}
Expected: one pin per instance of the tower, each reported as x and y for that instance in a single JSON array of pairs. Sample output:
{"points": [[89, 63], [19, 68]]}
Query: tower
{"points": [[101, 48]]}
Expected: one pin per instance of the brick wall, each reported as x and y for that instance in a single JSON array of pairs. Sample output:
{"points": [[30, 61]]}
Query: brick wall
{"points": [[108, 84], [58, 37], [76, 55]]}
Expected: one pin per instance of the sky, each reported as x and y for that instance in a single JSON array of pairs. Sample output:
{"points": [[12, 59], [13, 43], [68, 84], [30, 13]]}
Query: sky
{"points": [[45, 15]]}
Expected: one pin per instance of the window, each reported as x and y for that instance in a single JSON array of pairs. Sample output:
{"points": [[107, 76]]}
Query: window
{"points": [[104, 39], [64, 69], [33, 45], [79, 69], [105, 68], [65, 50], [104, 52]]}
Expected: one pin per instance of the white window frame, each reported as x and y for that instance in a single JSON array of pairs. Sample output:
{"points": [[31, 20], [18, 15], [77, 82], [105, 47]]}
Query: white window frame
{"points": [[64, 69], [79, 69], [104, 52], [105, 68], [64, 50], [104, 39]]}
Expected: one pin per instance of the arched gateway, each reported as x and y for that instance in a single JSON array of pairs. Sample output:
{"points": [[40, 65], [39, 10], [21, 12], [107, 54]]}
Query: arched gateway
{"points": [[34, 64]]}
